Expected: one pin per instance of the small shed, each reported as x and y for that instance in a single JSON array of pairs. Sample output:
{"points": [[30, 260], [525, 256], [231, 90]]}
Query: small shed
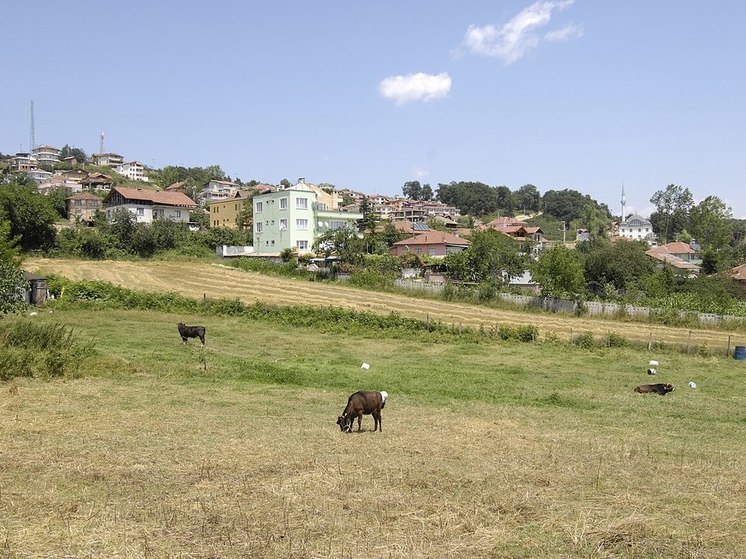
{"points": [[38, 291]]}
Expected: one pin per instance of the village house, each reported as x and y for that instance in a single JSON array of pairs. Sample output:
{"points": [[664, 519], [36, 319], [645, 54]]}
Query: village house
{"points": [[295, 217], [432, 243], [133, 170], [681, 256], [226, 213], [82, 207], [149, 205], [107, 159]]}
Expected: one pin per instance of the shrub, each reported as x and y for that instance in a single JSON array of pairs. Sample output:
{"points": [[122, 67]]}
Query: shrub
{"points": [[615, 340], [584, 340]]}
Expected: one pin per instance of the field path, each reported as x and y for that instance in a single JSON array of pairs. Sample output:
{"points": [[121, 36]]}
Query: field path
{"points": [[216, 280]]}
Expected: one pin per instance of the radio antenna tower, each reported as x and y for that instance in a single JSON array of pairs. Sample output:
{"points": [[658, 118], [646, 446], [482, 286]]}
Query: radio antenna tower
{"points": [[101, 143], [32, 139]]}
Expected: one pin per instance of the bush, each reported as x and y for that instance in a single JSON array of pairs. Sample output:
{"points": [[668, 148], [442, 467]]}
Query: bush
{"points": [[28, 348], [615, 340], [584, 340]]}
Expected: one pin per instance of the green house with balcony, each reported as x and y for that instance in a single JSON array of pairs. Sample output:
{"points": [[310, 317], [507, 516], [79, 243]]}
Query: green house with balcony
{"points": [[294, 218]]}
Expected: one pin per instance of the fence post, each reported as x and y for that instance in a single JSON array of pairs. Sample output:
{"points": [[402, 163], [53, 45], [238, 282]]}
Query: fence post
{"points": [[727, 351], [688, 342], [650, 341]]}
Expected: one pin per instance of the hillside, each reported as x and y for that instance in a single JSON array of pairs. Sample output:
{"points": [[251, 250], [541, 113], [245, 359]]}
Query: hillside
{"points": [[219, 281]]}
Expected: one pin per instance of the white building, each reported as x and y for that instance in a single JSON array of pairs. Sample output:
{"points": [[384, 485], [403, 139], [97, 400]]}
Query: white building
{"points": [[149, 205], [636, 228], [133, 170]]}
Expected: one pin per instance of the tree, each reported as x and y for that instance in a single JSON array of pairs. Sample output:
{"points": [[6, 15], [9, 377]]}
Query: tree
{"points": [[566, 205], [12, 283], [620, 265], [709, 223], [70, 151], [528, 198], [58, 197], [368, 223], [491, 256], [123, 226], [427, 192], [474, 198], [505, 200], [344, 243], [30, 214], [559, 271], [672, 211], [412, 190]]}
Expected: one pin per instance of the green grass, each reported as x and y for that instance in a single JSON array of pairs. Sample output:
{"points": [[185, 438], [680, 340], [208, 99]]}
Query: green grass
{"points": [[499, 449]]}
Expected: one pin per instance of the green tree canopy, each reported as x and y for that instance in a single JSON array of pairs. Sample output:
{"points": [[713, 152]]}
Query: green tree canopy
{"points": [[473, 198], [559, 271], [30, 214], [528, 198], [672, 211], [412, 190], [620, 265], [710, 223], [491, 256]]}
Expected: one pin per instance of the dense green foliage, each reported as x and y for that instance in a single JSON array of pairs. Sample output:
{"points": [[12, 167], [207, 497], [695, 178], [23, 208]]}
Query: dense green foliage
{"points": [[28, 349], [30, 214]]}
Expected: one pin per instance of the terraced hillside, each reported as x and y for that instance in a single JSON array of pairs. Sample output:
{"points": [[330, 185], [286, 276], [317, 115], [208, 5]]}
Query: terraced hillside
{"points": [[220, 281]]}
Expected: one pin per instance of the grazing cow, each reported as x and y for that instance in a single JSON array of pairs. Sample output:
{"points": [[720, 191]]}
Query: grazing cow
{"points": [[361, 403], [191, 332], [658, 388]]}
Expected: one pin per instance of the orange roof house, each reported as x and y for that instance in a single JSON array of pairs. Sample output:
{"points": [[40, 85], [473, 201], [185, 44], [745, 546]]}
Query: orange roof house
{"points": [[149, 205], [431, 243]]}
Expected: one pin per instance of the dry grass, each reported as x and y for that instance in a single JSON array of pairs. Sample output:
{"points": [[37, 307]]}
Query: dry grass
{"points": [[215, 280], [149, 467]]}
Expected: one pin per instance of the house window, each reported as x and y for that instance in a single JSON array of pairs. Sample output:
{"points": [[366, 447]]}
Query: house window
{"points": [[283, 203], [177, 213], [337, 225], [258, 226], [283, 224], [301, 203], [302, 245], [431, 251], [258, 207], [140, 211], [301, 224]]}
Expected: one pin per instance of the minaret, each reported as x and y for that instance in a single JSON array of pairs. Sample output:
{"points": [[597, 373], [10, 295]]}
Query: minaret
{"points": [[624, 204]]}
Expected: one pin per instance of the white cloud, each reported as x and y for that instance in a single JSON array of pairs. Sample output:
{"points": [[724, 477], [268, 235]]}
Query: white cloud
{"points": [[568, 32], [420, 173], [511, 40], [415, 87]]}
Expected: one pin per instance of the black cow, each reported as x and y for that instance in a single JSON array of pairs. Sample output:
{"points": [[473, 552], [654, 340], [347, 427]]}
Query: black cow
{"points": [[191, 332], [361, 403], [657, 388]]}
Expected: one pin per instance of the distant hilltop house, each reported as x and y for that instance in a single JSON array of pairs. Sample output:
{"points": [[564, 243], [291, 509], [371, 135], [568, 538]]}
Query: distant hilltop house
{"points": [[42, 155], [149, 205], [107, 159], [216, 191], [46, 155], [294, 217], [636, 228], [226, 213], [681, 256], [133, 170], [437, 244]]}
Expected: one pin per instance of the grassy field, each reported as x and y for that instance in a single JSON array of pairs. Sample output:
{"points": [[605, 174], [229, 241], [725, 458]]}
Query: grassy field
{"points": [[198, 279], [160, 449]]}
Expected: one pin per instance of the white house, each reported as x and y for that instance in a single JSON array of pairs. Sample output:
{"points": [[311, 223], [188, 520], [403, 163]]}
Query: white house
{"points": [[149, 205], [133, 170], [216, 191]]}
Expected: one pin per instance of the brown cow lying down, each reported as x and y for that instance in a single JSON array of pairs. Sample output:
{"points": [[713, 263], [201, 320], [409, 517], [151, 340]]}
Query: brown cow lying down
{"points": [[361, 403], [658, 388], [191, 332]]}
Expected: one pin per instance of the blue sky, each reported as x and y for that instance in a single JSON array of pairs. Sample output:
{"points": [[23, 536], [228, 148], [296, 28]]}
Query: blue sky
{"points": [[584, 94]]}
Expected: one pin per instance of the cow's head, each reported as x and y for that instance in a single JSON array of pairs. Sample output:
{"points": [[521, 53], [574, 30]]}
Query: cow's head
{"points": [[668, 387], [345, 424]]}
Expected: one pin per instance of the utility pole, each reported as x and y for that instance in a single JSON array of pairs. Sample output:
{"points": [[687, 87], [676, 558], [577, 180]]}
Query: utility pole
{"points": [[32, 142]]}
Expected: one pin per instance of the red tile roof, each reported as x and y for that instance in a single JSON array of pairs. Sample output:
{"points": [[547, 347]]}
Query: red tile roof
{"points": [[434, 238], [163, 198]]}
